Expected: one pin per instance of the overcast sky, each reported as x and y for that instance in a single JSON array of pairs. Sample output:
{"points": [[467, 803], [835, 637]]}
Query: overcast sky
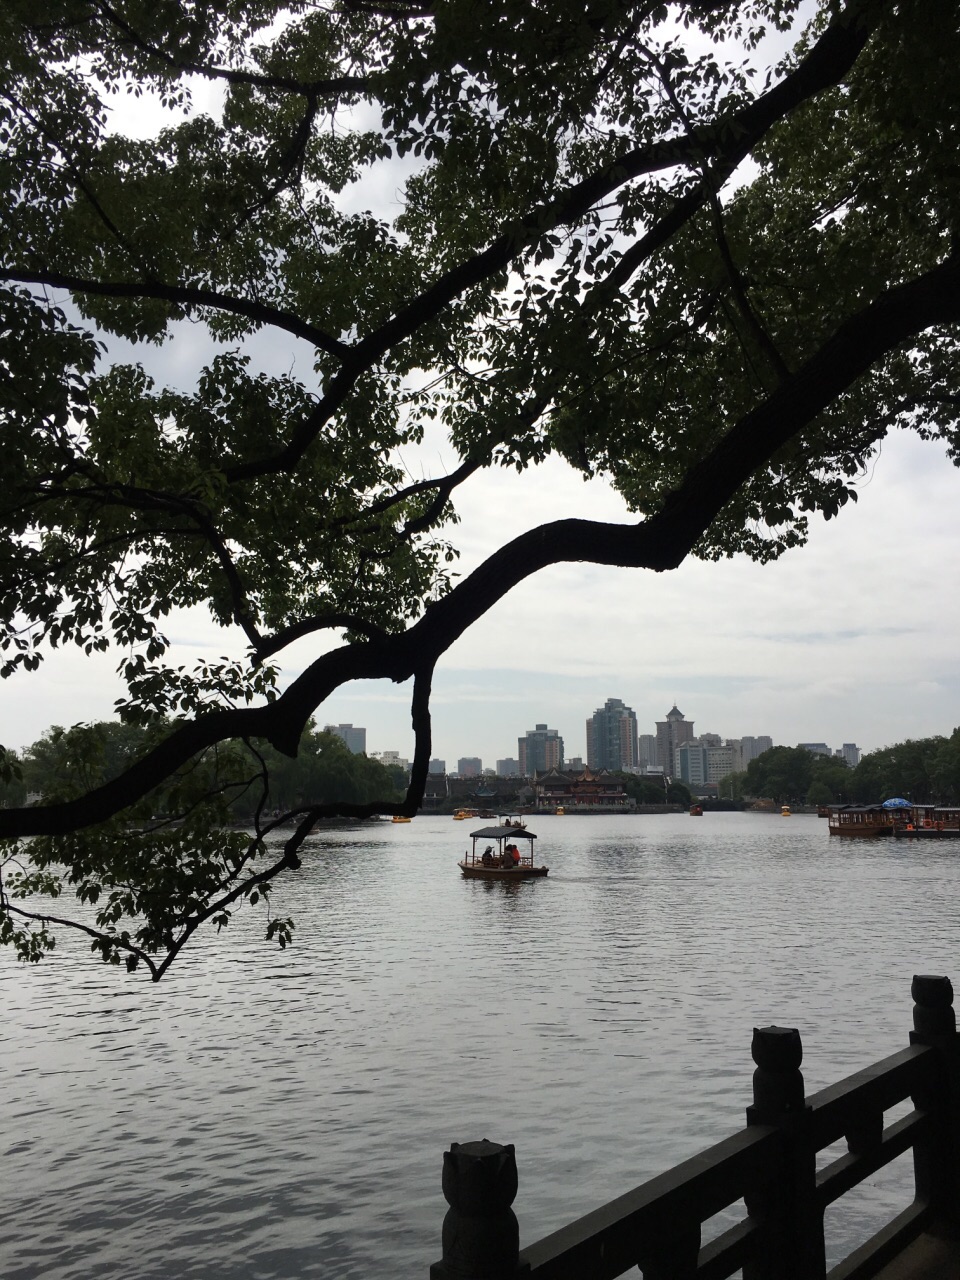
{"points": [[851, 639]]}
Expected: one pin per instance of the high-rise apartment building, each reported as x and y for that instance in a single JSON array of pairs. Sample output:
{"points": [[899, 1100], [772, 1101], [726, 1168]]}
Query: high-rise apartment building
{"points": [[647, 751], [671, 734], [352, 736], [437, 766], [851, 753], [469, 766], [508, 768], [540, 749], [612, 737]]}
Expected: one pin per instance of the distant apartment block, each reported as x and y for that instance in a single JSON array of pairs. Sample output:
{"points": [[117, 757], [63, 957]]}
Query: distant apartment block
{"points": [[470, 767], [575, 765], [391, 759], [816, 748], [721, 760], [437, 766], [508, 768], [612, 736], [647, 751], [851, 753], [352, 736], [539, 749], [753, 747]]}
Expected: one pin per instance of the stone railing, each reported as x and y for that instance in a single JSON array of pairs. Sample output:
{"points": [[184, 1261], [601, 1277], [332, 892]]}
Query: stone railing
{"points": [[771, 1166]]}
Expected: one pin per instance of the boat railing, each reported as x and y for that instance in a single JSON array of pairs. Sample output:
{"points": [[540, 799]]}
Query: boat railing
{"points": [[766, 1176]]}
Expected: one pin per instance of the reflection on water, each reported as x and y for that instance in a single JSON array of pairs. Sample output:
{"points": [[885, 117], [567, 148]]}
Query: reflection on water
{"points": [[283, 1114]]}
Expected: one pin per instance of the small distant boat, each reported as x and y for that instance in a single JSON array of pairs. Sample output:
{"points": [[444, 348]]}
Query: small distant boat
{"points": [[400, 817], [501, 857], [696, 811], [560, 811], [785, 811], [461, 814]]}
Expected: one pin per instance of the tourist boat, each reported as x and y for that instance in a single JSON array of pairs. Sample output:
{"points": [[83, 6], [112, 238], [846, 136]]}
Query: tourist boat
{"points": [[785, 811], [866, 821], [505, 853], [930, 822], [696, 811], [400, 817], [560, 811]]}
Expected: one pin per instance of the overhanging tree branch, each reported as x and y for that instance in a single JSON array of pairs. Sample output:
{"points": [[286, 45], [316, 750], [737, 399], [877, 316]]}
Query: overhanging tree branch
{"points": [[728, 140], [659, 543], [184, 296]]}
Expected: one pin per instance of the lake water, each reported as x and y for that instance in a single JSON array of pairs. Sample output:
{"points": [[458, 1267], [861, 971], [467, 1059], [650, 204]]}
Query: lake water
{"points": [[267, 1115]]}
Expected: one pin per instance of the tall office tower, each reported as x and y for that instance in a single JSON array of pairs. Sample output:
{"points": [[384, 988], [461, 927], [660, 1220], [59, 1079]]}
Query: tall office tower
{"points": [[647, 751], [672, 733], [508, 768], [353, 737], [612, 737], [851, 753], [540, 749], [469, 766], [437, 766], [690, 763]]}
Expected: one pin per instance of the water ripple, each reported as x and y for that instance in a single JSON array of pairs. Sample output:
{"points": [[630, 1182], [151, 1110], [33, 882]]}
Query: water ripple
{"points": [[267, 1115]]}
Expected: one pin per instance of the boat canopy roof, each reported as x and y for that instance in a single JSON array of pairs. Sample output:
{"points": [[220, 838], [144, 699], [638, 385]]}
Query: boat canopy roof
{"points": [[503, 833]]}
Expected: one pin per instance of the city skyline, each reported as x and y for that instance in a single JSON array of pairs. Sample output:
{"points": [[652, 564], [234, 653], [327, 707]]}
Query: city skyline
{"points": [[676, 733]]}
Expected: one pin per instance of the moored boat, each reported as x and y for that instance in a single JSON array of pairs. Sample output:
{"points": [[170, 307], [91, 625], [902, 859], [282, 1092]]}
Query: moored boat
{"points": [[506, 853], [696, 811], [865, 821], [931, 822], [400, 817]]}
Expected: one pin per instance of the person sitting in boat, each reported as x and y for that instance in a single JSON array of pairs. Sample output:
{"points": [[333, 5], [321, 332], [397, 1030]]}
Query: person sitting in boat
{"points": [[487, 858]]}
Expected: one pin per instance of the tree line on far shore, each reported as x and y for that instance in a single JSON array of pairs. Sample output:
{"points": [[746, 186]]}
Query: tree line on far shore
{"points": [[924, 770], [64, 763]]}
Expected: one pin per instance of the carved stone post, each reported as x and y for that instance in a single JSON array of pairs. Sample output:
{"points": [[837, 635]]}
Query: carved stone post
{"points": [[792, 1245], [481, 1237], [936, 1158]]}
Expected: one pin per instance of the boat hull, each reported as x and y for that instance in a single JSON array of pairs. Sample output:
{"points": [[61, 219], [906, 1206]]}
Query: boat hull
{"points": [[927, 833], [480, 872], [861, 832]]}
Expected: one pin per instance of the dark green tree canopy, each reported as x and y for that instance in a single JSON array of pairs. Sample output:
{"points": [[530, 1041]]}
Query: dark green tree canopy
{"points": [[622, 237]]}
